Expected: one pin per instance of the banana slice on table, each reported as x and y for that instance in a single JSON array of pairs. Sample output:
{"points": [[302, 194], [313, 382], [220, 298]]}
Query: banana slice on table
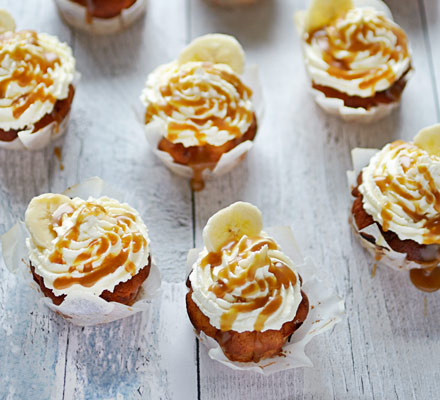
{"points": [[39, 217], [216, 48], [7, 22], [230, 224], [322, 12], [428, 139]]}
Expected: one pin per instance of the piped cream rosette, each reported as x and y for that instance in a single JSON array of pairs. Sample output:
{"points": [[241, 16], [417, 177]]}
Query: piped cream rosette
{"points": [[26, 101], [120, 236], [226, 54], [326, 308], [76, 15], [323, 12], [428, 143]]}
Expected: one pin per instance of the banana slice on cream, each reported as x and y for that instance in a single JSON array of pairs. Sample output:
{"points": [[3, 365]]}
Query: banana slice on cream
{"points": [[7, 22], [323, 12], [230, 224], [216, 48], [428, 139], [40, 215]]}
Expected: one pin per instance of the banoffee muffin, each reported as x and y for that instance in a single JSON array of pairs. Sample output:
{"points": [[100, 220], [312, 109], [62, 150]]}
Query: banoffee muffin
{"points": [[357, 57], [398, 194], [244, 292], [97, 246], [36, 89], [101, 16], [199, 106]]}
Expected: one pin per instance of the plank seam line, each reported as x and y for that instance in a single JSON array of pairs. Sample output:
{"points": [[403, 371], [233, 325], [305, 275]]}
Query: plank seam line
{"points": [[430, 59], [72, 40], [193, 206], [65, 361]]}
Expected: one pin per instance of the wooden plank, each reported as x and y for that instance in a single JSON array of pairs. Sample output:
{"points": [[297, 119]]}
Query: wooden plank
{"points": [[142, 357], [296, 175], [33, 340], [107, 140], [430, 13]]}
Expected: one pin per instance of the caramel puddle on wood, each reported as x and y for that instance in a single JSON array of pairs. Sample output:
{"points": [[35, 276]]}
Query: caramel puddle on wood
{"points": [[426, 279], [57, 152]]}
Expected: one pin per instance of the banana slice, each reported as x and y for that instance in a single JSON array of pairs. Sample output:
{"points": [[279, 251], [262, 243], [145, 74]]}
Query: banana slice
{"points": [[230, 224], [428, 139], [322, 12], [7, 22], [39, 217], [216, 48]]}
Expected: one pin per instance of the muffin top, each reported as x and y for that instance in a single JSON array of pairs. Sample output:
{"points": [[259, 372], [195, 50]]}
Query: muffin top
{"points": [[36, 70], [401, 191], [85, 246], [360, 53], [198, 103], [242, 281]]}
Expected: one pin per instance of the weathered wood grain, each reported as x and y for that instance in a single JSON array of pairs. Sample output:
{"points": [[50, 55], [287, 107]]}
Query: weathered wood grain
{"points": [[32, 341], [430, 13], [296, 175], [106, 139], [109, 142]]}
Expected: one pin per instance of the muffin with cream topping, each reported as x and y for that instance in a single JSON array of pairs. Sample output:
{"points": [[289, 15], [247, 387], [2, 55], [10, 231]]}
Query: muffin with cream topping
{"points": [[36, 84], [98, 247], [199, 107], [357, 57], [396, 210], [101, 16], [244, 292]]}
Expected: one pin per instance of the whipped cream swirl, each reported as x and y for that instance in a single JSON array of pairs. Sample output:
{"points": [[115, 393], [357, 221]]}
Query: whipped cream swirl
{"points": [[198, 103], [401, 191], [360, 54], [98, 244], [36, 70], [249, 285]]}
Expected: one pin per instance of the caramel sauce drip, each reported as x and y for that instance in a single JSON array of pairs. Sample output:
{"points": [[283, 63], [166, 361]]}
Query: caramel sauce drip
{"points": [[351, 40], [93, 268], [231, 277], [57, 152], [175, 99], [35, 73], [426, 279], [399, 187], [199, 158]]}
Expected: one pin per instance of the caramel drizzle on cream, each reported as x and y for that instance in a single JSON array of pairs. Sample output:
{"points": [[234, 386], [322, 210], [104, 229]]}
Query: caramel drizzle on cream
{"points": [[410, 190], [33, 65], [232, 276], [90, 263], [175, 95], [351, 40]]}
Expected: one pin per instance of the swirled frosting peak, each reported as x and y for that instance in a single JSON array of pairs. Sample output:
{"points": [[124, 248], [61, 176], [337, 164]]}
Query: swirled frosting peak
{"points": [[198, 103], [249, 285], [359, 54], [36, 70], [401, 191], [93, 245]]}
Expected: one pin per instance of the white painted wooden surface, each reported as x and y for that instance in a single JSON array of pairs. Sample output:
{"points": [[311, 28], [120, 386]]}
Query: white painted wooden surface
{"points": [[386, 347]]}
